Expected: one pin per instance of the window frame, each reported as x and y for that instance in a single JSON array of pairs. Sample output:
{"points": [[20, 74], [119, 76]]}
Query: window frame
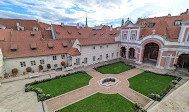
{"points": [[54, 57]]}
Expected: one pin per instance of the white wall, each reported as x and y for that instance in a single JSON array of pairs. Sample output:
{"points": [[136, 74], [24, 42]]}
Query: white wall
{"points": [[88, 52], [15, 63], [2, 69]]}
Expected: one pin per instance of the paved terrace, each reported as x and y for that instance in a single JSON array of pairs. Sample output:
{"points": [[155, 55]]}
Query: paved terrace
{"points": [[122, 87]]}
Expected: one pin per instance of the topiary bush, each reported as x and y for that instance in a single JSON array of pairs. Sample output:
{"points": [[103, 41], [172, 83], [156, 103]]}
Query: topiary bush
{"points": [[138, 108], [28, 69], [40, 67], [14, 71], [48, 66], [155, 97]]}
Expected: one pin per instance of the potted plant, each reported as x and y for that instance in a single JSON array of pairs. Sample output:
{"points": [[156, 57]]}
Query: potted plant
{"points": [[63, 63], [40, 68], [28, 69], [14, 71], [48, 66], [6, 75]]}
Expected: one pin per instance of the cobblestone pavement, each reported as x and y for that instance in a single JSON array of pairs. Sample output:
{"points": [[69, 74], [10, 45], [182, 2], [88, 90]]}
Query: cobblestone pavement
{"points": [[122, 87]]}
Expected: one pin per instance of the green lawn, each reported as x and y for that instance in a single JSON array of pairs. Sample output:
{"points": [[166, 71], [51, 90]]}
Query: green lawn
{"points": [[59, 86], [101, 103], [147, 83], [115, 68]]}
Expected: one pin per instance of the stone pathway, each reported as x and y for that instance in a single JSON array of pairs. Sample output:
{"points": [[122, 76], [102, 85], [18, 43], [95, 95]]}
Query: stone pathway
{"points": [[122, 87]]}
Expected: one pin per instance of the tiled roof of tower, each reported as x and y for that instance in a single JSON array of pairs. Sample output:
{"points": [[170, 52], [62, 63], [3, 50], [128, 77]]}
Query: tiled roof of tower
{"points": [[27, 24], [164, 26]]}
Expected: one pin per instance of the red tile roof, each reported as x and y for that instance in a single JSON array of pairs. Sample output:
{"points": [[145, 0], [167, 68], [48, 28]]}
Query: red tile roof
{"points": [[164, 26], [27, 24], [74, 51], [94, 41]]}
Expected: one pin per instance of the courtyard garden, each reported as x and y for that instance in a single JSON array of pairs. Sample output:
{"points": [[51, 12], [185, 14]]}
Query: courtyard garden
{"points": [[62, 85], [101, 103], [147, 83], [115, 68]]}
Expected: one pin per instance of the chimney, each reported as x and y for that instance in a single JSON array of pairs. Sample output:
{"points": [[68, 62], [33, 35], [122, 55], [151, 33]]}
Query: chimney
{"points": [[62, 24], [17, 24], [111, 28], [77, 25], [83, 26], [169, 15]]}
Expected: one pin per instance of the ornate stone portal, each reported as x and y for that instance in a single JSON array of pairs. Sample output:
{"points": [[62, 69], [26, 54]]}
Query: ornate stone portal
{"points": [[108, 81]]}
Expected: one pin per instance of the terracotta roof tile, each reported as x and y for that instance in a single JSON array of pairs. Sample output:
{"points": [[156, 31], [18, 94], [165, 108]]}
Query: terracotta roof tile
{"points": [[74, 51]]}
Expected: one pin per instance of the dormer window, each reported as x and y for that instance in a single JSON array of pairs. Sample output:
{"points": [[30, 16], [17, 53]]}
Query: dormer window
{"points": [[58, 33], [69, 33], [79, 33], [177, 23], [50, 45], [65, 45], [35, 29], [102, 34], [20, 28], [151, 25], [33, 46], [32, 34], [13, 47], [94, 34]]}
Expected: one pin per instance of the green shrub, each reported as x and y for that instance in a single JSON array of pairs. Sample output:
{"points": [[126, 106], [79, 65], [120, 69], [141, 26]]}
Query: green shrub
{"points": [[155, 97], [174, 82], [138, 108]]}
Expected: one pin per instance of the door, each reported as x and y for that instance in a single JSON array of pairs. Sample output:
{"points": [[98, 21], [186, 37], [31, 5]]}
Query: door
{"points": [[168, 60]]}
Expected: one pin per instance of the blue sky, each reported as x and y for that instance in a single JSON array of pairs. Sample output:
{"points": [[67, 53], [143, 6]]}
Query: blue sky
{"points": [[98, 11]]}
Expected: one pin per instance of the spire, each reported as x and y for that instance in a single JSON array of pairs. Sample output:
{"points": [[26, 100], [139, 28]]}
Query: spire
{"points": [[86, 22]]}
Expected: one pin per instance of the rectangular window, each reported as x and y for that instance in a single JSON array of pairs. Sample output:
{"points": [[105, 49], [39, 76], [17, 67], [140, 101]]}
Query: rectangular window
{"points": [[187, 37], [42, 61], [112, 55], [33, 63], [55, 66], [63, 56], [77, 61], [117, 54], [54, 57], [93, 47], [100, 47], [133, 35], [107, 46], [22, 64], [151, 25], [124, 35], [94, 58], [85, 60], [100, 58], [106, 56]]}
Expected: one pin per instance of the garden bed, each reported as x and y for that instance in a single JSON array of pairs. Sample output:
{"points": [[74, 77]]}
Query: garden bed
{"points": [[153, 85], [101, 103], [115, 68], [58, 85]]}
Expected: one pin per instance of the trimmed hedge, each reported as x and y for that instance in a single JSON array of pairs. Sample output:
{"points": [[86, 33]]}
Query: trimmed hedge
{"points": [[138, 108], [40, 94]]}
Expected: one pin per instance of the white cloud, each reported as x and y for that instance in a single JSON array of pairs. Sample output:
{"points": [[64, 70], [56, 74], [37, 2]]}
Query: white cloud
{"points": [[98, 11]]}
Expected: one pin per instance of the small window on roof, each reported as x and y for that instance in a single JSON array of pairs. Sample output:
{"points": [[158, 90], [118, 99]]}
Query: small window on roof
{"points": [[79, 33], [57, 32], [13, 47], [102, 34], [151, 25], [177, 23], [50, 45], [94, 34], [32, 35], [69, 33]]}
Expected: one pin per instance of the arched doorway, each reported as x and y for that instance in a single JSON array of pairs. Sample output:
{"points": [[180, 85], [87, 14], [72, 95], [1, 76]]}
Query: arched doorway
{"points": [[183, 61], [151, 53], [131, 53], [123, 52]]}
